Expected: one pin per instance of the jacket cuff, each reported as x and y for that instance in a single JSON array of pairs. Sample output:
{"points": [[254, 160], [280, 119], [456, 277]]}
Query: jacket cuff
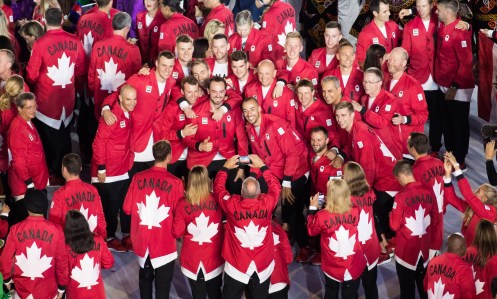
{"points": [[61, 289], [179, 134], [281, 80], [459, 175], [312, 211], [408, 119], [262, 169], [447, 182], [454, 85], [28, 182], [226, 106], [363, 110], [224, 169], [101, 167], [7, 281]]}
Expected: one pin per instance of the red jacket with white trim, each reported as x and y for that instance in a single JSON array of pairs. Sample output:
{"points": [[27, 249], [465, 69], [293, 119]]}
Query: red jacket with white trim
{"points": [[223, 14], [354, 88], [480, 279], [321, 172], [171, 125], [371, 34], [175, 26], [94, 26], [258, 46], [317, 114], [277, 22], [283, 256], [148, 36], [318, 60], [301, 70], [236, 83], [6, 118]]}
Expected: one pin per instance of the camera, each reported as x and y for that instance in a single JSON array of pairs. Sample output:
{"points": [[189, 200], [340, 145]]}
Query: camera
{"points": [[244, 160]]}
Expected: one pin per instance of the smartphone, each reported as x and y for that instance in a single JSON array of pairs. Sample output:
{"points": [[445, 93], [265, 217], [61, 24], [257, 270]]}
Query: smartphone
{"points": [[321, 200], [244, 160]]}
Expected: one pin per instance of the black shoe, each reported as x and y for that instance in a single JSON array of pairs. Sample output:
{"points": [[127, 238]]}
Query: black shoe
{"points": [[489, 131]]}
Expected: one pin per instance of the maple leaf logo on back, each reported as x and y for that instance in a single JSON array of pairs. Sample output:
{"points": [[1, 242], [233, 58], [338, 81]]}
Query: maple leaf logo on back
{"points": [[87, 276], [151, 215], [61, 74], [478, 283], [438, 291], [439, 194], [88, 42], [282, 37], [33, 264], [201, 232], [110, 79], [419, 223], [364, 227], [92, 219], [250, 236], [343, 245]]}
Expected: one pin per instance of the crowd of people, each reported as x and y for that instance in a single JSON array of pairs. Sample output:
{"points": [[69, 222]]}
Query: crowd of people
{"points": [[217, 132]]}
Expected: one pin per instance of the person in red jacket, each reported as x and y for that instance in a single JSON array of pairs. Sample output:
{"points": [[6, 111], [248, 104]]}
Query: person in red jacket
{"points": [[77, 195], [184, 50], [148, 23], [34, 257], [28, 168], [198, 220], [96, 24], [242, 75], [248, 246], [218, 11], [412, 111], [256, 44], [277, 21], [152, 198], [381, 31], [219, 64], [343, 256], [283, 256], [454, 75], [111, 163], [87, 254], [325, 59], [176, 24], [414, 215], [56, 60], [448, 274]]}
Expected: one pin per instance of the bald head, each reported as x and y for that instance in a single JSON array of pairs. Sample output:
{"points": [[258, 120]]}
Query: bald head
{"points": [[456, 244], [266, 72], [250, 188], [400, 53]]}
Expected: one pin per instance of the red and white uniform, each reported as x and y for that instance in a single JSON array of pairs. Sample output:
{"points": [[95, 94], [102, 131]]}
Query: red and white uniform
{"points": [[481, 210], [378, 114], [279, 147], [171, 125], [95, 26], [258, 46], [283, 256], [240, 85], [112, 62], [151, 201], [342, 255], [223, 14], [318, 60], [175, 26], [412, 104], [202, 230], [450, 273], [454, 58], [78, 195], [283, 106], [321, 172], [480, 279], [85, 281], [9, 14], [148, 35], [371, 34], [112, 149], [353, 88], [34, 257], [211, 62], [37, 15], [413, 217], [56, 60], [179, 72], [248, 240], [317, 114], [301, 70], [28, 158], [6, 118], [277, 22]]}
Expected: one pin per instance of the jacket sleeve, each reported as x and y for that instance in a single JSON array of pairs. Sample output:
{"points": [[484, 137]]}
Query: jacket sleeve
{"points": [[234, 99], [100, 143], [179, 221], [91, 69], [313, 227], [241, 137], [274, 187], [287, 145], [167, 121], [101, 228], [419, 109], [61, 261], [56, 212], [397, 214], [136, 62], [106, 257], [451, 198], [406, 39], [34, 64], [382, 118], [19, 150], [220, 192], [81, 65], [291, 114], [362, 46], [7, 258], [128, 200], [464, 56], [365, 157], [482, 210], [467, 285], [491, 173]]}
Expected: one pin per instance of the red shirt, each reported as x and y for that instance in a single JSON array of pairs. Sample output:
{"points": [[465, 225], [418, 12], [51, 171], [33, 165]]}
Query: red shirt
{"points": [[277, 22], [148, 36], [175, 26], [223, 14], [371, 34]]}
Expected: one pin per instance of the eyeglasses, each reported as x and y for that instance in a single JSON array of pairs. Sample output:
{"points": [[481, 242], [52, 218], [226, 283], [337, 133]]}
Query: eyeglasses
{"points": [[30, 107], [369, 82]]}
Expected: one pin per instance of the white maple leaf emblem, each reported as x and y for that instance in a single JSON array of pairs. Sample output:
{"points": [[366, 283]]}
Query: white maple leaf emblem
{"points": [[478, 283], [346, 275], [110, 78], [33, 264], [438, 291], [343, 245], [61, 74], [92, 219], [88, 42], [364, 227], [250, 236], [202, 232], [439, 194], [419, 223], [282, 37], [151, 215], [276, 239], [87, 276], [386, 152]]}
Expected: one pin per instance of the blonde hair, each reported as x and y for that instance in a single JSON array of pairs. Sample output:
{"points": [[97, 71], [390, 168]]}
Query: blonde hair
{"points": [[13, 87], [338, 197], [46, 4], [198, 186], [490, 198], [212, 27]]}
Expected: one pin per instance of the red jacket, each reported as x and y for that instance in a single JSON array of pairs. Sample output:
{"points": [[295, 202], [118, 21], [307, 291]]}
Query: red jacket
{"points": [[454, 58], [379, 117], [94, 26], [322, 172], [413, 217], [78, 195], [236, 83], [221, 13], [279, 147], [258, 46], [317, 114], [366, 229], [301, 70], [178, 73], [283, 256], [318, 60], [480, 277], [354, 88], [9, 14], [175, 26], [371, 34], [6, 118], [277, 22], [112, 62], [211, 62], [56, 60], [283, 106], [412, 104], [171, 125], [112, 150], [148, 36], [342, 254], [481, 210], [86, 280], [248, 237], [420, 45], [450, 276], [34, 257], [151, 201], [28, 158], [149, 107], [202, 230]]}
